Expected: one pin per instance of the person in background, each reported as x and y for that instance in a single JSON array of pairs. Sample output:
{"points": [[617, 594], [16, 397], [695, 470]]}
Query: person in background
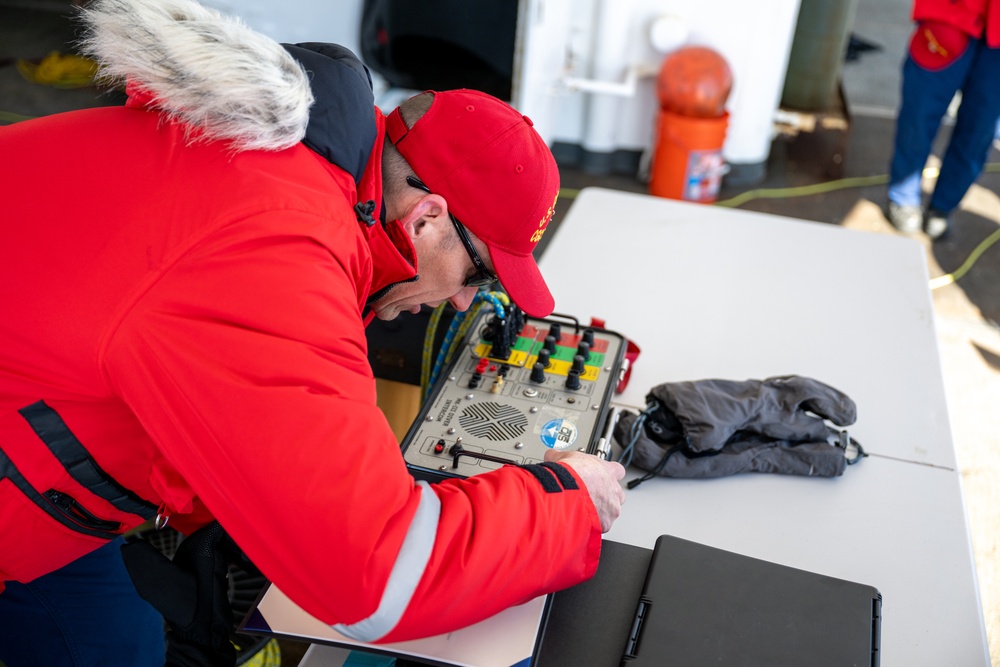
{"points": [[183, 337], [954, 49]]}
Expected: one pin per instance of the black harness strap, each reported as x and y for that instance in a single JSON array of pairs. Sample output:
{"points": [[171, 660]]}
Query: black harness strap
{"points": [[54, 432]]}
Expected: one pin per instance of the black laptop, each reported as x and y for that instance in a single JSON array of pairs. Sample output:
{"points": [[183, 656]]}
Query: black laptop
{"points": [[691, 605]]}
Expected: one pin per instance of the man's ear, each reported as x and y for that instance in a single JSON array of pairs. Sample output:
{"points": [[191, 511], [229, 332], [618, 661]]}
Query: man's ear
{"points": [[428, 217]]}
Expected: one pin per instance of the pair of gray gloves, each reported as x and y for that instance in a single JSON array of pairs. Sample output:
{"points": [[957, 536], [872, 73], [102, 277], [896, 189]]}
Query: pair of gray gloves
{"points": [[715, 428]]}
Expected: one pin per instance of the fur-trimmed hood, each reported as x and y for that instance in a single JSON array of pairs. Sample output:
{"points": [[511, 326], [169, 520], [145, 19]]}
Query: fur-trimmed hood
{"points": [[207, 70], [228, 82]]}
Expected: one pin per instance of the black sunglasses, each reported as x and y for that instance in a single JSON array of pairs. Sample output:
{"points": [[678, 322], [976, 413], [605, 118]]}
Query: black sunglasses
{"points": [[483, 276]]}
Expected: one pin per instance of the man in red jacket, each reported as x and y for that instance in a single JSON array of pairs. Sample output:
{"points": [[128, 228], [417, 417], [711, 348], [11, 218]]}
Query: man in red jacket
{"points": [[183, 338], [955, 48]]}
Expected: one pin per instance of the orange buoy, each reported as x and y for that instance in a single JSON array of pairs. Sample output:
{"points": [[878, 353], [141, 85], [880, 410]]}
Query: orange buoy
{"points": [[694, 81]]}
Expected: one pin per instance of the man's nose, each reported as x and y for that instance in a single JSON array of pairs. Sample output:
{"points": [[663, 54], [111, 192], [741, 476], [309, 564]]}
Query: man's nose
{"points": [[463, 298]]}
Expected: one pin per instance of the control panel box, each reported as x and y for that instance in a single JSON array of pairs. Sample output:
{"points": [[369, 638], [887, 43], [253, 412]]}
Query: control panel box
{"points": [[513, 390]]}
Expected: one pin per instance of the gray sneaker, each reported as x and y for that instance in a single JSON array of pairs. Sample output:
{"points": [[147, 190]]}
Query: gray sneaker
{"points": [[937, 225], [907, 219]]}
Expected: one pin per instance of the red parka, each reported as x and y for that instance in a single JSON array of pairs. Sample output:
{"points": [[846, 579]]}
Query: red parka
{"points": [[183, 322]]}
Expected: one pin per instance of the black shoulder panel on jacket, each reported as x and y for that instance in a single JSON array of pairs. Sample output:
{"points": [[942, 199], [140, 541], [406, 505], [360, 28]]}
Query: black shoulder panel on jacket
{"points": [[342, 120]]}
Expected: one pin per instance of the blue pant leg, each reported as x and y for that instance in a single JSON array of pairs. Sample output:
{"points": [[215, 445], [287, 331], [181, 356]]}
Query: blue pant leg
{"points": [[86, 614], [974, 130], [925, 98]]}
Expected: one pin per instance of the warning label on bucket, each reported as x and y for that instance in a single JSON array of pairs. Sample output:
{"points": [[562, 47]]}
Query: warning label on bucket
{"points": [[704, 175]]}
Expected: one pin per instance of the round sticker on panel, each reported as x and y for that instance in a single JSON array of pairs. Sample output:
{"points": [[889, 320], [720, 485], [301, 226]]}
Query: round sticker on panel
{"points": [[559, 434]]}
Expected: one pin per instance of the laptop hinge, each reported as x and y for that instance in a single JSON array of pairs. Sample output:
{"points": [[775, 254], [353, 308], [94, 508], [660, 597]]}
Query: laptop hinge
{"points": [[632, 646], [876, 629]]}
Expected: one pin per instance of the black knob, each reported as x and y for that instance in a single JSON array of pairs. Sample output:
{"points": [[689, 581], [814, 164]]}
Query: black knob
{"points": [[538, 372], [549, 344], [578, 363], [543, 357], [573, 380], [583, 350], [588, 337], [555, 330]]}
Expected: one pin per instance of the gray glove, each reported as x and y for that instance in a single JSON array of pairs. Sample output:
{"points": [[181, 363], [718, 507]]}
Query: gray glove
{"points": [[714, 428]]}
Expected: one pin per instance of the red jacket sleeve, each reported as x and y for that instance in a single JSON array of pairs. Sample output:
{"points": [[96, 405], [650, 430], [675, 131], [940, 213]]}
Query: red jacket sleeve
{"points": [[246, 363]]}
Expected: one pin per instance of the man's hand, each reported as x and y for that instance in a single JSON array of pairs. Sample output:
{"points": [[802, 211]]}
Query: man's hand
{"points": [[602, 481]]}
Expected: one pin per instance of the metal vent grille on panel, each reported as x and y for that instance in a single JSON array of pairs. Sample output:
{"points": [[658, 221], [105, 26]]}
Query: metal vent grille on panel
{"points": [[495, 422]]}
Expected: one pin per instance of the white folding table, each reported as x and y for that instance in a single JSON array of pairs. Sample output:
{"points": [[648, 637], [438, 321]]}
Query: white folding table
{"points": [[709, 292]]}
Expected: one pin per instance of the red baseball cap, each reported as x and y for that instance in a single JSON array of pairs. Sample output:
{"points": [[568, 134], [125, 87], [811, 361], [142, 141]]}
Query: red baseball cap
{"points": [[936, 45], [498, 176]]}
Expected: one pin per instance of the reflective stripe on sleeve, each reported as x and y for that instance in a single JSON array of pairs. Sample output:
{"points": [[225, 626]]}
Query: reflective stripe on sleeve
{"points": [[406, 572]]}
